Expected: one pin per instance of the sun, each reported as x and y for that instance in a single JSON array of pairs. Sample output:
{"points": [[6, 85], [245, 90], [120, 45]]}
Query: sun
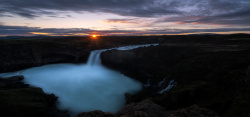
{"points": [[94, 36]]}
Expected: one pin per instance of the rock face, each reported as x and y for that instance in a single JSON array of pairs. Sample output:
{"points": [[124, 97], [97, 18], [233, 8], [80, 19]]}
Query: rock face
{"points": [[12, 83], [17, 54], [18, 99], [212, 73], [192, 111], [147, 108], [96, 114]]}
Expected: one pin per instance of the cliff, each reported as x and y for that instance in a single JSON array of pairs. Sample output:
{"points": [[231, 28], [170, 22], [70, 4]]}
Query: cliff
{"points": [[211, 74]]}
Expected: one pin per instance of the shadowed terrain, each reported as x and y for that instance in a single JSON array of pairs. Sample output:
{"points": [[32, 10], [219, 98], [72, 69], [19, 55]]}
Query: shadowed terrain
{"points": [[210, 71]]}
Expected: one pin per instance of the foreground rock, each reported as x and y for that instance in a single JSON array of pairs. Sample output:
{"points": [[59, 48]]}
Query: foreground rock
{"points": [[192, 111], [147, 108], [20, 100], [12, 83], [96, 114]]}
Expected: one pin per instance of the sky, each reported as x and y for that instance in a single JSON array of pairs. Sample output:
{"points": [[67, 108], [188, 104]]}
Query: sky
{"points": [[123, 17]]}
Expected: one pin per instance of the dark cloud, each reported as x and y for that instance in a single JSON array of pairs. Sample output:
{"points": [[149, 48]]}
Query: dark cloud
{"points": [[209, 11], [218, 12], [139, 8], [32, 31], [240, 13], [237, 15]]}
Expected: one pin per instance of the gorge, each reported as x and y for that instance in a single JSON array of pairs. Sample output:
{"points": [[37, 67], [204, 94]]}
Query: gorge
{"points": [[210, 72], [83, 87]]}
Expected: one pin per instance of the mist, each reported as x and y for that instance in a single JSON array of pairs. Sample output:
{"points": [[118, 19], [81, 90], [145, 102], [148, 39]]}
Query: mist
{"points": [[83, 88]]}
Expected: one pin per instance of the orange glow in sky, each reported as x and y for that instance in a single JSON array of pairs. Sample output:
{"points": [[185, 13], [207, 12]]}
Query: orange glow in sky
{"points": [[94, 36], [96, 18]]}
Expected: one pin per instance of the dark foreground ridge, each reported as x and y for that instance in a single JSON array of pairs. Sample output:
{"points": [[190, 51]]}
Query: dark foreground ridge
{"points": [[19, 100], [210, 71], [147, 108]]}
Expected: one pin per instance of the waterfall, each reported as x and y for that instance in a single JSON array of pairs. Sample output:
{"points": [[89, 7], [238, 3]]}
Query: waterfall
{"points": [[94, 58], [170, 85]]}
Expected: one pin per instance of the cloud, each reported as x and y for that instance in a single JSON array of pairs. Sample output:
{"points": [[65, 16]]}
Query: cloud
{"points": [[221, 12], [216, 12], [239, 17], [138, 8], [122, 21], [33, 31]]}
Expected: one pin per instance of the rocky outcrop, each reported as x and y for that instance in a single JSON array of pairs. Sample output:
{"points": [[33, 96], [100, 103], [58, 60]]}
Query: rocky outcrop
{"points": [[18, 99], [96, 114], [37, 55], [192, 111], [148, 108], [145, 108], [12, 83]]}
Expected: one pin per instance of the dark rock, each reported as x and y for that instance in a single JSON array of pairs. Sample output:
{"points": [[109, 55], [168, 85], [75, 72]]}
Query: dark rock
{"points": [[28, 102], [145, 108], [53, 110], [17, 54], [96, 114], [12, 83], [212, 73], [19, 98], [192, 111], [128, 98], [248, 75]]}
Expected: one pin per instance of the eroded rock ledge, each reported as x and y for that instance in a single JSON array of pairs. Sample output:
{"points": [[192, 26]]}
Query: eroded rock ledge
{"points": [[20, 100], [147, 108]]}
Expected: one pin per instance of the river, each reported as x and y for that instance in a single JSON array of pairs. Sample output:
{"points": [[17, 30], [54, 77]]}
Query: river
{"points": [[84, 87]]}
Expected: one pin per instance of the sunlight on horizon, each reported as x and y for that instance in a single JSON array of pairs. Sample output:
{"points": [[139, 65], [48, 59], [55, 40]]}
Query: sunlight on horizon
{"points": [[117, 18]]}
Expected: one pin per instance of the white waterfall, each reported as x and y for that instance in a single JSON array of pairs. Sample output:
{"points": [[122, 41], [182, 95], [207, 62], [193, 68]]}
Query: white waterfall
{"points": [[94, 58]]}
